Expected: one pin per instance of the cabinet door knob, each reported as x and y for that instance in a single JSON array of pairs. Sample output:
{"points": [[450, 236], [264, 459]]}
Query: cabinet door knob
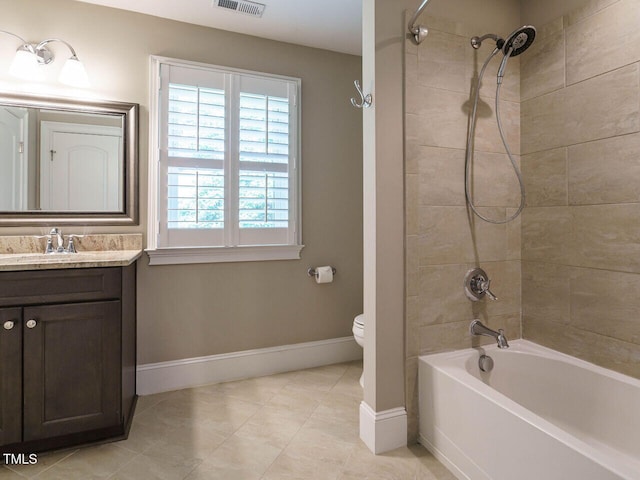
{"points": [[8, 325], [31, 323]]}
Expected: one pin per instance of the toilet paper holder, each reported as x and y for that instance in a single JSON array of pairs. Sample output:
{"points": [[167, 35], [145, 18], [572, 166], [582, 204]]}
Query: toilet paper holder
{"points": [[312, 271]]}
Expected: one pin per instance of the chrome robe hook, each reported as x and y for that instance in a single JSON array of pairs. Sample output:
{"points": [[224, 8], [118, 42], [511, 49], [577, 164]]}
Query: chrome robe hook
{"points": [[365, 100]]}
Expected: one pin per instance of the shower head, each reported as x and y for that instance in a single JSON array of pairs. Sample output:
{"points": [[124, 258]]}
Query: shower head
{"points": [[519, 41], [514, 45]]}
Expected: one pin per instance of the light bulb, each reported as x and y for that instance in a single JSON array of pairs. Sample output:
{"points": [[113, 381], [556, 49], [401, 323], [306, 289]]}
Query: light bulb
{"points": [[74, 74], [25, 65]]}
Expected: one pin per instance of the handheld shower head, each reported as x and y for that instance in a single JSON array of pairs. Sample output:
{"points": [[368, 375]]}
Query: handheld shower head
{"points": [[517, 42]]}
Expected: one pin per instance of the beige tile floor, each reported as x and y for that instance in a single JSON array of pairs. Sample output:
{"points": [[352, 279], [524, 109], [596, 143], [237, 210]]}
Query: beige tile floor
{"points": [[297, 425]]}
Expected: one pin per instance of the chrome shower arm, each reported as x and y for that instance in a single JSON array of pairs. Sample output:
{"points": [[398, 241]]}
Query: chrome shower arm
{"points": [[418, 31], [477, 41], [412, 27]]}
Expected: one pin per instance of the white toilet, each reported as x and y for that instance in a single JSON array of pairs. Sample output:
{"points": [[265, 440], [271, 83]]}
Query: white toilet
{"points": [[358, 334]]}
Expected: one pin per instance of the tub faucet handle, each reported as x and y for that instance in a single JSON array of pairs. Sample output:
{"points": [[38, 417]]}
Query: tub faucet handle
{"points": [[485, 287], [477, 284]]}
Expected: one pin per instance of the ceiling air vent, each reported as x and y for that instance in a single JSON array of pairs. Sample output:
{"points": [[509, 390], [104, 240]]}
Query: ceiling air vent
{"points": [[241, 6]]}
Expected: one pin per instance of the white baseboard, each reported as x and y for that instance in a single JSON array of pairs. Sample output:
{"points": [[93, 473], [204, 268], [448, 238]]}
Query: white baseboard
{"points": [[383, 431], [192, 372]]}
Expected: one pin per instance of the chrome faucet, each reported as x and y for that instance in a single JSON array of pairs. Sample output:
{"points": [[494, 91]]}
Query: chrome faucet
{"points": [[477, 328], [57, 233]]}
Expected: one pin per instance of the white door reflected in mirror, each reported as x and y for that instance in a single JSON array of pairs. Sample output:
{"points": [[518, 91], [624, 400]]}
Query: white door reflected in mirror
{"points": [[81, 167], [13, 176]]}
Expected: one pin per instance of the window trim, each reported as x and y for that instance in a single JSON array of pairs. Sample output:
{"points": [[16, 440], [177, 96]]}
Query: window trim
{"points": [[178, 255], [253, 253]]}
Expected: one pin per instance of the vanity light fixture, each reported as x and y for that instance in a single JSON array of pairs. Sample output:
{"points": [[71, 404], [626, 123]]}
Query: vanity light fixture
{"points": [[30, 56]]}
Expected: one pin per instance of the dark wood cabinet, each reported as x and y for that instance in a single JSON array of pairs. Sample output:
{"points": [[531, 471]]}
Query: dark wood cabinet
{"points": [[67, 356], [10, 375]]}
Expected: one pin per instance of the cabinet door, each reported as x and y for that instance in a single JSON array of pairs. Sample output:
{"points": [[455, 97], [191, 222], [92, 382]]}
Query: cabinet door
{"points": [[10, 375], [71, 368]]}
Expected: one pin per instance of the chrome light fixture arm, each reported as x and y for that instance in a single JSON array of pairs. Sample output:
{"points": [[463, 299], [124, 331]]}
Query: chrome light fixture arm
{"points": [[44, 54], [24, 42], [25, 45], [42, 46]]}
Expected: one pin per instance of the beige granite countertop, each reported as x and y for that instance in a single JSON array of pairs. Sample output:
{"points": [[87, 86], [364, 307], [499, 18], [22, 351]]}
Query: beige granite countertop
{"points": [[109, 250]]}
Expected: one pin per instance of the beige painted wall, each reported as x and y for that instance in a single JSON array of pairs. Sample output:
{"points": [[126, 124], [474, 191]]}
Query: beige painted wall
{"points": [[196, 310], [581, 144], [443, 241]]}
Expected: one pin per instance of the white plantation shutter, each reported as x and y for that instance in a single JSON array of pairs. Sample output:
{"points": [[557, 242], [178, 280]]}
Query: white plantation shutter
{"points": [[228, 158], [195, 198], [196, 122], [196, 129], [264, 162]]}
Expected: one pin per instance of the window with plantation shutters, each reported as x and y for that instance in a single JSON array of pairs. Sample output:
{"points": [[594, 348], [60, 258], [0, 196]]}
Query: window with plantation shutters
{"points": [[227, 170]]}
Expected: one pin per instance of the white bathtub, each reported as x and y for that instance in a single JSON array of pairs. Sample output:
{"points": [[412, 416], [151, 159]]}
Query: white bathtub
{"points": [[538, 415]]}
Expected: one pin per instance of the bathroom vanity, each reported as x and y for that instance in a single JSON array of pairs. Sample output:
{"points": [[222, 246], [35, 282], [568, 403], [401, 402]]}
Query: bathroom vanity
{"points": [[67, 347], [67, 320]]}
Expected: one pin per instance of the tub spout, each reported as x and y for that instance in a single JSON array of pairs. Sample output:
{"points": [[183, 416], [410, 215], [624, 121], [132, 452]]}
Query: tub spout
{"points": [[477, 328]]}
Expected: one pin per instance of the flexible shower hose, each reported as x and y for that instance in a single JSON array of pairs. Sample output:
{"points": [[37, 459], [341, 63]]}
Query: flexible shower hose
{"points": [[469, 151]]}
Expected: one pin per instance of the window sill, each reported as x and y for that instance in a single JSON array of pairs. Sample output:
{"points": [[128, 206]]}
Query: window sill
{"points": [[253, 253]]}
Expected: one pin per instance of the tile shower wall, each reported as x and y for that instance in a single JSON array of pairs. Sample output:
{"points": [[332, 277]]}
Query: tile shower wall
{"points": [[443, 242], [581, 162]]}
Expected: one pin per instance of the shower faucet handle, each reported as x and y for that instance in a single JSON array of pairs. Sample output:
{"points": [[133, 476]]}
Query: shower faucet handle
{"points": [[477, 284], [485, 286]]}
